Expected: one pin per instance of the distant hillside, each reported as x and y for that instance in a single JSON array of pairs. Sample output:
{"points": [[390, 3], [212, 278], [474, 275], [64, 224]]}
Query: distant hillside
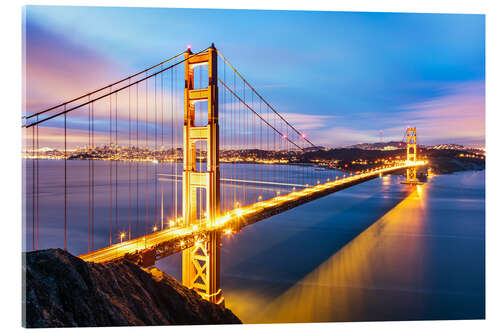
{"points": [[377, 146], [62, 290], [448, 146], [392, 145]]}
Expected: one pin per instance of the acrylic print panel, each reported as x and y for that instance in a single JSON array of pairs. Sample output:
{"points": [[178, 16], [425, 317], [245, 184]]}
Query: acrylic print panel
{"points": [[318, 167]]}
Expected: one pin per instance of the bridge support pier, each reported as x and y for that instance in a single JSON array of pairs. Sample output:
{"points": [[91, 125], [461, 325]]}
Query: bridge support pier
{"points": [[201, 262], [201, 268]]}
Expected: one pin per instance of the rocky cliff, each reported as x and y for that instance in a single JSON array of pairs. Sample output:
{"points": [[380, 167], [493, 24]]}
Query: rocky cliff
{"points": [[62, 290]]}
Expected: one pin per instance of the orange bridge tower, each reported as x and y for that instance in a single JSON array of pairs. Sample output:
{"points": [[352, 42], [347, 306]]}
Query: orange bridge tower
{"points": [[411, 155], [201, 188]]}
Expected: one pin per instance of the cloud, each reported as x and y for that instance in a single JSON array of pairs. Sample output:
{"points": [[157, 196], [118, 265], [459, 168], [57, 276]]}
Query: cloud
{"points": [[58, 69], [457, 115], [321, 130], [307, 122], [274, 86]]}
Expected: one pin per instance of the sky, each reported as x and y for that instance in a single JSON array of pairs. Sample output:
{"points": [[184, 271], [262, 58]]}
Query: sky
{"points": [[340, 77]]}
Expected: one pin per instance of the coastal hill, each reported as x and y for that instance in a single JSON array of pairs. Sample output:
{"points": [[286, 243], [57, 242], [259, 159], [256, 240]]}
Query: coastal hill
{"points": [[61, 290]]}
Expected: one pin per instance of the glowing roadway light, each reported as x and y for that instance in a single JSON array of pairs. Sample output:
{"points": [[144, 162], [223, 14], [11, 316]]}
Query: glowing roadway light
{"points": [[223, 220], [228, 232], [171, 223], [155, 228], [195, 227], [122, 236]]}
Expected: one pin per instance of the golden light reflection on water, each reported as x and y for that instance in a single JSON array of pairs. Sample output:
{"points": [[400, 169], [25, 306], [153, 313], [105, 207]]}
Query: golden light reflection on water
{"points": [[387, 255], [386, 180]]}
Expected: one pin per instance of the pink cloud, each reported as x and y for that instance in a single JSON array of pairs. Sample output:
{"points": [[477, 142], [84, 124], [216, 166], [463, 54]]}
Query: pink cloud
{"points": [[59, 69], [457, 115], [305, 122]]}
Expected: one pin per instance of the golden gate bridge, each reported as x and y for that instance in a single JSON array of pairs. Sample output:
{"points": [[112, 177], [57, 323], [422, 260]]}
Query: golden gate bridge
{"points": [[241, 163]]}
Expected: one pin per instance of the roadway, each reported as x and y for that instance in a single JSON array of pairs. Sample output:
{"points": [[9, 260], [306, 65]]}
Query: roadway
{"points": [[175, 239]]}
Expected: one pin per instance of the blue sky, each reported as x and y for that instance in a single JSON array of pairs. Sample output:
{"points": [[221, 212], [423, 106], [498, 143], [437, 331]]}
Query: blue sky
{"points": [[342, 77]]}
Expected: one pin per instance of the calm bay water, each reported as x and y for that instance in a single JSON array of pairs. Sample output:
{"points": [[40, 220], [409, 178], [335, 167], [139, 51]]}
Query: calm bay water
{"points": [[377, 251]]}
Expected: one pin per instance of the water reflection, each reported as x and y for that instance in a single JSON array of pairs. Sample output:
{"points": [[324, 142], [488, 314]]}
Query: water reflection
{"points": [[390, 271], [335, 289]]}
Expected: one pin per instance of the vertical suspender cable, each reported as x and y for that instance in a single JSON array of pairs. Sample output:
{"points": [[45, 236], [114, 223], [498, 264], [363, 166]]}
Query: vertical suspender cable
{"points": [[129, 168], [110, 174], [274, 152], [254, 148], [174, 109], [147, 166], [37, 188], [199, 208], [172, 161], [261, 147], [243, 115], [239, 144], [33, 185], [92, 162], [89, 167], [137, 152], [162, 144], [233, 141], [156, 158], [65, 181], [115, 161]]}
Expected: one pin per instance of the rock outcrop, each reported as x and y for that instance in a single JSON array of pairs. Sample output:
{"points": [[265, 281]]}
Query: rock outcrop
{"points": [[63, 290]]}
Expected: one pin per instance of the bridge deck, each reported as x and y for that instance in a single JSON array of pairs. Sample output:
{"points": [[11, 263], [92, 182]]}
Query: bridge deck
{"points": [[169, 241]]}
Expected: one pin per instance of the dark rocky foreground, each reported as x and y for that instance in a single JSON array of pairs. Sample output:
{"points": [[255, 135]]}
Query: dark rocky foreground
{"points": [[63, 290]]}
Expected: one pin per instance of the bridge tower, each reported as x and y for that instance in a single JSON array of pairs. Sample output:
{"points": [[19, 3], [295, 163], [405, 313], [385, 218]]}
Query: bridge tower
{"points": [[411, 154], [201, 262]]}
